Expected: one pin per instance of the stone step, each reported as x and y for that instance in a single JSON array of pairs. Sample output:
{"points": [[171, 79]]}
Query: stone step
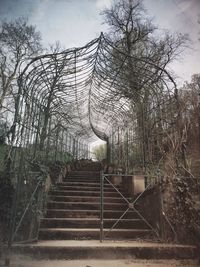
{"points": [[82, 183], [83, 193], [85, 174], [86, 188], [92, 233], [62, 213], [108, 250], [83, 180], [86, 199], [85, 205], [92, 223]]}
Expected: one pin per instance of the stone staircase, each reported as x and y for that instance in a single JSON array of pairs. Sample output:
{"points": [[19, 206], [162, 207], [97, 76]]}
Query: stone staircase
{"points": [[73, 211], [70, 229]]}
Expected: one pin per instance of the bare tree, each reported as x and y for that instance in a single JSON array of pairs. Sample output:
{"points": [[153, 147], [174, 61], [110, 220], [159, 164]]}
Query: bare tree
{"points": [[141, 55], [189, 98], [148, 53], [18, 43]]}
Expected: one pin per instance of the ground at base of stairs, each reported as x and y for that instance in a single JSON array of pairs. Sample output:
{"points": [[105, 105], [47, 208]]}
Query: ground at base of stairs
{"points": [[24, 261]]}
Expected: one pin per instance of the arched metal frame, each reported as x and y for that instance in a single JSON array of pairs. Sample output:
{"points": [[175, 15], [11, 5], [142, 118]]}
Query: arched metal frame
{"points": [[66, 99]]}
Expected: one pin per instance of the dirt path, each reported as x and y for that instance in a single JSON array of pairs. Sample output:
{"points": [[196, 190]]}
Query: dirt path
{"points": [[24, 261]]}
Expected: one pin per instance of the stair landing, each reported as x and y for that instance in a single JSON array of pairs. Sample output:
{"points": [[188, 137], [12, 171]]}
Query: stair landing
{"points": [[92, 249]]}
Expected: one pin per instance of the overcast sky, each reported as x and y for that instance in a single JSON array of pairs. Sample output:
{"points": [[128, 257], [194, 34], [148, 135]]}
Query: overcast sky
{"points": [[76, 22]]}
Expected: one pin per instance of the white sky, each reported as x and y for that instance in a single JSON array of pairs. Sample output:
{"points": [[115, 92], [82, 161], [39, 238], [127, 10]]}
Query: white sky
{"points": [[76, 22]]}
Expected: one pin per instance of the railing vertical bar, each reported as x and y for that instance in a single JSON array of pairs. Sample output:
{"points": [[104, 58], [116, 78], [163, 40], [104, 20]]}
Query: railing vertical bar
{"points": [[101, 206]]}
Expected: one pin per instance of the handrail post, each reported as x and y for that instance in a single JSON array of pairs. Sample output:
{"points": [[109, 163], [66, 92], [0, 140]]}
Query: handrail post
{"points": [[101, 205]]}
